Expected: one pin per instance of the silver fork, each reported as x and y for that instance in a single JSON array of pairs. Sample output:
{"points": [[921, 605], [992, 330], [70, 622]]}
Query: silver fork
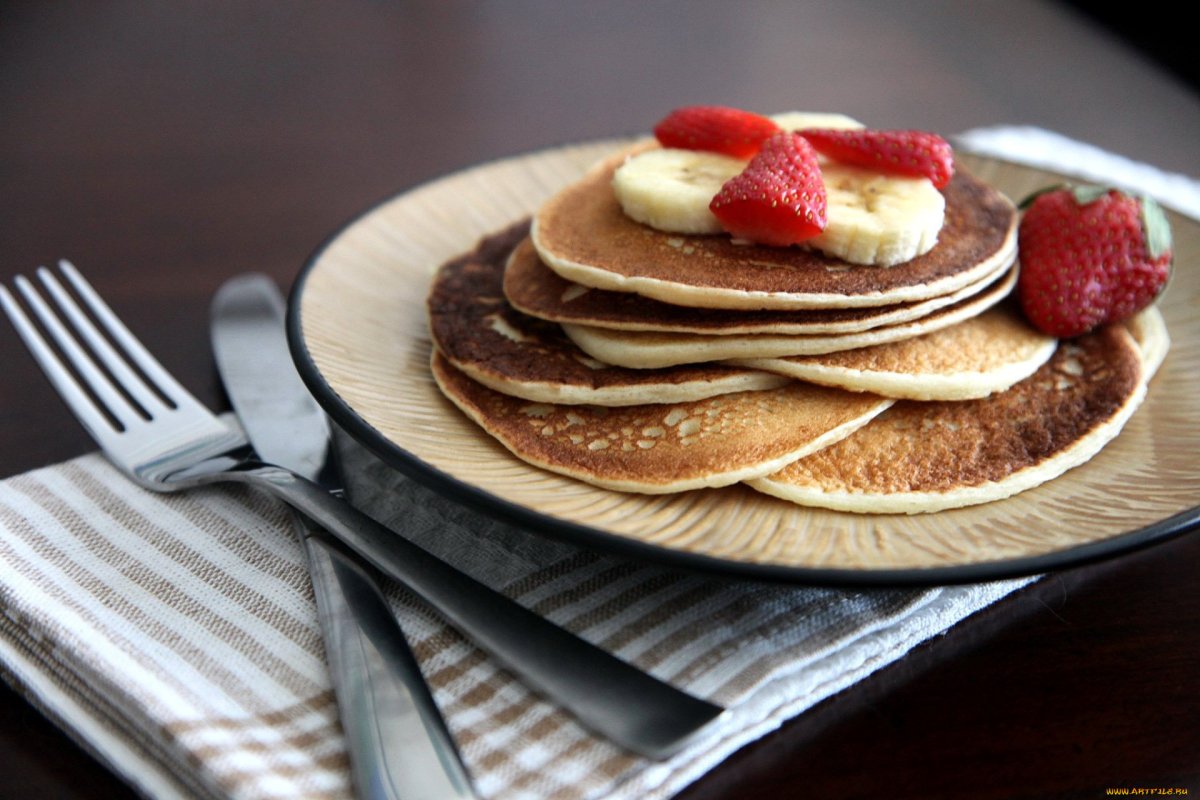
{"points": [[164, 439]]}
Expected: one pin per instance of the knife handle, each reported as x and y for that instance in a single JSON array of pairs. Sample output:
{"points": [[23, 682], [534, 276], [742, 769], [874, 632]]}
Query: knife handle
{"points": [[616, 699], [400, 747]]}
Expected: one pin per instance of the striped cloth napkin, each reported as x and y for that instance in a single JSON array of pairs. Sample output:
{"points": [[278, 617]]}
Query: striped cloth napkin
{"points": [[176, 636]]}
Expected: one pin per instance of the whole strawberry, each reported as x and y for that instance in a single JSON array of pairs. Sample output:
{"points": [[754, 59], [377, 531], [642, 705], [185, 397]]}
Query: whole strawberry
{"points": [[914, 153], [779, 198], [717, 129], [1090, 256]]}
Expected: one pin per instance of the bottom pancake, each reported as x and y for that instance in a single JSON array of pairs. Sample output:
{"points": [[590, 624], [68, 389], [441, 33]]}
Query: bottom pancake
{"points": [[921, 457], [665, 447]]}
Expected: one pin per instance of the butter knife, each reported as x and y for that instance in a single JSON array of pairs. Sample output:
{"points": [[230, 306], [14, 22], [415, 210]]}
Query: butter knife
{"points": [[608, 695], [398, 743]]}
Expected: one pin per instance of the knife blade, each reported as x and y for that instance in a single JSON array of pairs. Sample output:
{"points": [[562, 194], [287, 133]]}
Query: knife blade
{"points": [[397, 739]]}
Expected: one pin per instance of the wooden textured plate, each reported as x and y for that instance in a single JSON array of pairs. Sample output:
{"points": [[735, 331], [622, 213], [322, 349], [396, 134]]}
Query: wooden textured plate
{"points": [[358, 332]]}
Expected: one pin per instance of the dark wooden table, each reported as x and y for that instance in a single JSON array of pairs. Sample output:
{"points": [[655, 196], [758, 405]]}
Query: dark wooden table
{"points": [[166, 147]]}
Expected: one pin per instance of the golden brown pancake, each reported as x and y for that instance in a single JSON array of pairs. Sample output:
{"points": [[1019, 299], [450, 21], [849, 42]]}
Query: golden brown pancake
{"points": [[653, 349], [583, 235], [671, 447], [985, 354], [480, 334], [921, 457], [535, 289]]}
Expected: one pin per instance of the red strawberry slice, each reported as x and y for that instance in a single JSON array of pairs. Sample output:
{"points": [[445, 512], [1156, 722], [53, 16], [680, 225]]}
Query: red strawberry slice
{"points": [[1090, 256], [779, 198], [718, 129], [913, 153]]}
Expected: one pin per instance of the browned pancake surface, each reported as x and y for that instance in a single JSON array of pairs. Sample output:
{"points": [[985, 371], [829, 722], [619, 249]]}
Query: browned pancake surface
{"points": [[475, 328], [663, 447], [584, 225], [943, 447]]}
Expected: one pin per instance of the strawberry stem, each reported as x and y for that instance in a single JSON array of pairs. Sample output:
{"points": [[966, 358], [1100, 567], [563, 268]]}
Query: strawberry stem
{"points": [[1087, 193], [1028, 201]]}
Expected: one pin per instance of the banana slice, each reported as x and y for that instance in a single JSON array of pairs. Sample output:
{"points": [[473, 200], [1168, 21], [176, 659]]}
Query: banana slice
{"points": [[878, 219], [799, 120], [669, 189], [872, 218]]}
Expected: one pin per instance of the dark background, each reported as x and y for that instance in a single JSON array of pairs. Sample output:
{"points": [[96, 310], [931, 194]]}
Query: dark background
{"points": [[1155, 29], [166, 147]]}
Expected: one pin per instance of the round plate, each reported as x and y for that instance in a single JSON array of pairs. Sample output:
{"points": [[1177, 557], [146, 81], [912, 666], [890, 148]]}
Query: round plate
{"points": [[358, 331]]}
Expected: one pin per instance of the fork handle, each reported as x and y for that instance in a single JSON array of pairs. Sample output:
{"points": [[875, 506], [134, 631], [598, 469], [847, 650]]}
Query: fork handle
{"points": [[606, 694]]}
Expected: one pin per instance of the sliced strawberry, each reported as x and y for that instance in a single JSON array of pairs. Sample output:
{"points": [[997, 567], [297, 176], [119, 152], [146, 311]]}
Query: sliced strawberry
{"points": [[779, 198], [914, 153], [718, 129], [1090, 256]]}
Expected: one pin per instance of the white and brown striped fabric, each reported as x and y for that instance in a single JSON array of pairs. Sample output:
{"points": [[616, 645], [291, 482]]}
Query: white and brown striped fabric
{"points": [[176, 635]]}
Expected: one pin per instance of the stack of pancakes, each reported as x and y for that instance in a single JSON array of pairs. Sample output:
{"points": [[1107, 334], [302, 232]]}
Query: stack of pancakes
{"points": [[642, 361]]}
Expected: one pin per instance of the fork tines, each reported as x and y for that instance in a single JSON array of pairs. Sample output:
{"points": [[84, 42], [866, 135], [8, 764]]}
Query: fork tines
{"points": [[106, 376]]}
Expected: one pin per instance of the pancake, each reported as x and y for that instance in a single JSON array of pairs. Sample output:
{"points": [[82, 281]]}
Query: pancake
{"points": [[985, 354], [535, 289], [659, 448], [923, 457], [583, 235], [650, 349], [1149, 330], [480, 334]]}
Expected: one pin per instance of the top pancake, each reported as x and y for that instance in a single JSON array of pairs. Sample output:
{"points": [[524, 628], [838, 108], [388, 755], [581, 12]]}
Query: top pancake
{"points": [[584, 236]]}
